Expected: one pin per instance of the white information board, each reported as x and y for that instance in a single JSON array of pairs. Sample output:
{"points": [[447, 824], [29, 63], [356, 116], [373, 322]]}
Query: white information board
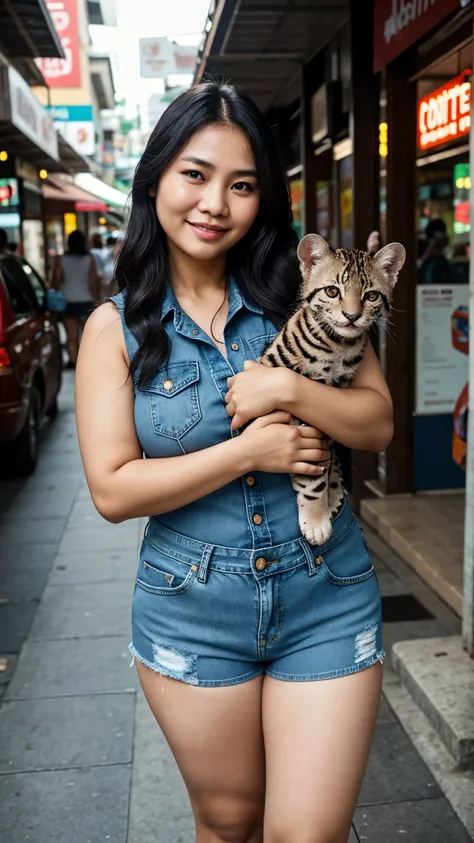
{"points": [[441, 369]]}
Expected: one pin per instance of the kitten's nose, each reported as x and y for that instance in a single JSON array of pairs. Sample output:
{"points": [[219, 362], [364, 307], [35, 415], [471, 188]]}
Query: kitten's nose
{"points": [[352, 317]]}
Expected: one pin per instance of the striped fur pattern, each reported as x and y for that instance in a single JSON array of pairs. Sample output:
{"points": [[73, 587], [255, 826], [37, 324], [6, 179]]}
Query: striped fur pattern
{"points": [[343, 292]]}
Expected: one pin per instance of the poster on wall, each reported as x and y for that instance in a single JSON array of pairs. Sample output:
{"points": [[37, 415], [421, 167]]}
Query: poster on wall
{"points": [[63, 73], [441, 332]]}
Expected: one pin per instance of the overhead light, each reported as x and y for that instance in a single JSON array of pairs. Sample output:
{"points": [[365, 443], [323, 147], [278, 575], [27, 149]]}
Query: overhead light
{"points": [[3, 155], [102, 221], [43, 174]]}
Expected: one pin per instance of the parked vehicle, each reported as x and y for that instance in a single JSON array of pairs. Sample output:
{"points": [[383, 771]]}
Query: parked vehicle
{"points": [[30, 362]]}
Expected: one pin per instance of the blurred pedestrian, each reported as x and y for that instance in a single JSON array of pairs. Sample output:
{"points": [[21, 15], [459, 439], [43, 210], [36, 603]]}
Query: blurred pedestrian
{"points": [[98, 252], [258, 653], [75, 273]]}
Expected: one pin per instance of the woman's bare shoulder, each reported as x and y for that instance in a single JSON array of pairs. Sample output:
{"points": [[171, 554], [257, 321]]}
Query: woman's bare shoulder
{"points": [[105, 326]]}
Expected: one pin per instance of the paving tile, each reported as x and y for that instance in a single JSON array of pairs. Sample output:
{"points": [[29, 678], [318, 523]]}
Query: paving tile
{"points": [[431, 820], [51, 481], [42, 531], [65, 806], [37, 734], [107, 567], [111, 537], [83, 611], [386, 714], [395, 772], [15, 621], [160, 811], [55, 503], [69, 668], [24, 570]]}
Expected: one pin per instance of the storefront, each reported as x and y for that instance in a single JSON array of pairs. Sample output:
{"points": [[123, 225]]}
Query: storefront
{"points": [[424, 198]]}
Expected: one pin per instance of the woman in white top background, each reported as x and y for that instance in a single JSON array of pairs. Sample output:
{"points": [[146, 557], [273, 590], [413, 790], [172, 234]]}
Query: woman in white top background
{"points": [[75, 274]]}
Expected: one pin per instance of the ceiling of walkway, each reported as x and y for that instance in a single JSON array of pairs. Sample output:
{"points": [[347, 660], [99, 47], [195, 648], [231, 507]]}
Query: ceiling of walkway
{"points": [[261, 44]]}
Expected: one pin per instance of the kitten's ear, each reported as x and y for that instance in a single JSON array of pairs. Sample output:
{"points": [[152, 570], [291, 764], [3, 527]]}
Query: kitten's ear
{"points": [[391, 258], [312, 249]]}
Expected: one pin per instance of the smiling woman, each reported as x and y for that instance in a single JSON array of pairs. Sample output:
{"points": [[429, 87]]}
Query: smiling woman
{"points": [[241, 629]]}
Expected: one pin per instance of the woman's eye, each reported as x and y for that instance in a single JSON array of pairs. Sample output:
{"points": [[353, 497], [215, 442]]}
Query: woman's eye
{"points": [[195, 175], [332, 292], [373, 295], [243, 186]]}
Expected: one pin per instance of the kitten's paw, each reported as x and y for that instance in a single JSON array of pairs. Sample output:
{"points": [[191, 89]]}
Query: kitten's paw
{"points": [[317, 534]]}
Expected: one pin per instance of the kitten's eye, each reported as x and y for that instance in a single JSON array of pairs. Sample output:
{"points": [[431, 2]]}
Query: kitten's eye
{"points": [[373, 295], [332, 292]]}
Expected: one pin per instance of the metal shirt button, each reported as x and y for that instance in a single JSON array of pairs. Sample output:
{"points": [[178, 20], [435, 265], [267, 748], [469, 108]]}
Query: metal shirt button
{"points": [[261, 564], [195, 332], [168, 384], [235, 346], [250, 480], [257, 519]]}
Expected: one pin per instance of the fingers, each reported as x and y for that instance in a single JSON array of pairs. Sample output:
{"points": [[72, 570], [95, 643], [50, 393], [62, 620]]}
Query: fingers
{"points": [[314, 455], [309, 432], [278, 417], [307, 468]]}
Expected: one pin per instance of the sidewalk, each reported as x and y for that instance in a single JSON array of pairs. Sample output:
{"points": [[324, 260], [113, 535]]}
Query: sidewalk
{"points": [[81, 758]]}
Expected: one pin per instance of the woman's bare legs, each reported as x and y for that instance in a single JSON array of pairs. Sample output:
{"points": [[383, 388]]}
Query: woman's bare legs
{"points": [[317, 741], [73, 330], [215, 735]]}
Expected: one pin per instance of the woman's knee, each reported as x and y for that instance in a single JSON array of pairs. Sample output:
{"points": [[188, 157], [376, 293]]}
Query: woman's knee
{"points": [[231, 821], [293, 833]]}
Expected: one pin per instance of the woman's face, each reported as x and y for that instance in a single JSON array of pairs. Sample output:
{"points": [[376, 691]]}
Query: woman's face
{"points": [[208, 197]]}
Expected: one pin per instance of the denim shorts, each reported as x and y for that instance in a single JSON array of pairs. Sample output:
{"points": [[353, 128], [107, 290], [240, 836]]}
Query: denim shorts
{"points": [[211, 616]]}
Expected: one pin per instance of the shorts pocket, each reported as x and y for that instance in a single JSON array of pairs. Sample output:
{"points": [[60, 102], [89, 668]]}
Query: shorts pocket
{"points": [[161, 574], [348, 562], [174, 400]]}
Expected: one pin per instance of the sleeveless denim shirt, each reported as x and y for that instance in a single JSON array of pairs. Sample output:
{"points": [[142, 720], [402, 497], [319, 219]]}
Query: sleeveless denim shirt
{"points": [[182, 410]]}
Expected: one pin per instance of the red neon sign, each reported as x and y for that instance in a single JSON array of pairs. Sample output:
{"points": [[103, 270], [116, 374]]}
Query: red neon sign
{"points": [[445, 114]]}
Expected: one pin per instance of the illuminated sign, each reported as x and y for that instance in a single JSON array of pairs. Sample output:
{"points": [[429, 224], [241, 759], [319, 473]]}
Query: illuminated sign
{"points": [[63, 73], [445, 114], [399, 23]]}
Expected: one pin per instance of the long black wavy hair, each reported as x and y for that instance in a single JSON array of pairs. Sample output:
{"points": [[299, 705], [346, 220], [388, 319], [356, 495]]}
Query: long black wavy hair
{"points": [[263, 263]]}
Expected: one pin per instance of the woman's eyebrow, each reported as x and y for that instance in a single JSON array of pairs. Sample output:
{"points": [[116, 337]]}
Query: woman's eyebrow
{"points": [[201, 163]]}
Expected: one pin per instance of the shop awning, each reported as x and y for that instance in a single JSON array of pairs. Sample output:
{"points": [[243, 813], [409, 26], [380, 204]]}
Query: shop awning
{"points": [[65, 191], [112, 197], [27, 30], [261, 44]]}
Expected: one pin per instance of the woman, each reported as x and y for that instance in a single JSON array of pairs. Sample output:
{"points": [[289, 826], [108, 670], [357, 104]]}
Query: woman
{"points": [[263, 673], [76, 275]]}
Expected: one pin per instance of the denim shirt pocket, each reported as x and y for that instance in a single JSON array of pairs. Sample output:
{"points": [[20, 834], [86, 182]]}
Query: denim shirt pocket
{"points": [[174, 399], [260, 343]]}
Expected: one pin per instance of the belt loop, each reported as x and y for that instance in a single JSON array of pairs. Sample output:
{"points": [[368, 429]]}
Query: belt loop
{"points": [[309, 553], [206, 558]]}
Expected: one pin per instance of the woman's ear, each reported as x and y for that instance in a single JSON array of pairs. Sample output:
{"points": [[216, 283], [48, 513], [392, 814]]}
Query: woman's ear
{"points": [[152, 192]]}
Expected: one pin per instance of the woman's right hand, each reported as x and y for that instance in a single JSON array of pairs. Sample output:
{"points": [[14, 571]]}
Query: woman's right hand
{"points": [[275, 446]]}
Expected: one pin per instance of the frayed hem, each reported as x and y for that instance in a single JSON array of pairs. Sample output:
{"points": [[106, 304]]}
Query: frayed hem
{"points": [[332, 674], [160, 669]]}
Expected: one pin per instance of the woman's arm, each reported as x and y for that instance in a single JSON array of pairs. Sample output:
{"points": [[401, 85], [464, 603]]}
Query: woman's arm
{"points": [[123, 484], [94, 280], [360, 417]]}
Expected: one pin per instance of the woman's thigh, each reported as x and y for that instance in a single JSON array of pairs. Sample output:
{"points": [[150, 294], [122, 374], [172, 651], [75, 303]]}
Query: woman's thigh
{"points": [[215, 735], [317, 741]]}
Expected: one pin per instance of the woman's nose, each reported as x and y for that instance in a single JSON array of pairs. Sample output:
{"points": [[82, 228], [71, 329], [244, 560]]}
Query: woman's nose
{"points": [[213, 201]]}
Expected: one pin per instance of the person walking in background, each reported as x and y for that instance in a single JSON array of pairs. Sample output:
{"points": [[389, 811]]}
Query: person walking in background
{"points": [[75, 273]]}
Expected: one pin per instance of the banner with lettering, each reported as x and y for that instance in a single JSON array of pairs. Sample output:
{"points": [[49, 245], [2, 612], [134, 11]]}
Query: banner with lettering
{"points": [[63, 73], [399, 23]]}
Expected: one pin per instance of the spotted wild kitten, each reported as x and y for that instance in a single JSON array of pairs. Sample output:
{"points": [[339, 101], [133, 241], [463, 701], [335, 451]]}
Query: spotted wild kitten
{"points": [[343, 292]]}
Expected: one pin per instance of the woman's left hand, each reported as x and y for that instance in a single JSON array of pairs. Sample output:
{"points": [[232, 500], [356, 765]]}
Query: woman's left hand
{"points": [[256, 391]]}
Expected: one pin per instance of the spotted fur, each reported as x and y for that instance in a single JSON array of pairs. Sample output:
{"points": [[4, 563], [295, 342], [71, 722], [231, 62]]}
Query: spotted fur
{"points": [[343, 292]]}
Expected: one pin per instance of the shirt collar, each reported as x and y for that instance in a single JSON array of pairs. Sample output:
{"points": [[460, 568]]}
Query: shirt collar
{"points": [[237, 301]]}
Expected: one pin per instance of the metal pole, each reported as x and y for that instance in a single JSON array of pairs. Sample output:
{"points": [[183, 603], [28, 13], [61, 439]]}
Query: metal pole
{"points": [[468, 597]]}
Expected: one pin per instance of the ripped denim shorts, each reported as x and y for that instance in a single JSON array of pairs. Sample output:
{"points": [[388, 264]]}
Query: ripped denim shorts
{"points": [[213, 616]]}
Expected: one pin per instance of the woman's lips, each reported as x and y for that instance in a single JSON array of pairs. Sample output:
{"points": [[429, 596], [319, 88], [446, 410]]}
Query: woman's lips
{"points": [[206, 233]]}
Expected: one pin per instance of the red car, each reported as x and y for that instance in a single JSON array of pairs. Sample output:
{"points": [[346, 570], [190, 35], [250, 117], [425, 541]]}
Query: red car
{"points": [[30, 362]]}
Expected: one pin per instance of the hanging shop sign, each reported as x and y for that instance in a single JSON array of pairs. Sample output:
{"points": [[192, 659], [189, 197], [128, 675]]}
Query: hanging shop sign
{"points": [[64, 73], [441, 371], [445, 114], [399, 23], [160, 58], [29, 116]]}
